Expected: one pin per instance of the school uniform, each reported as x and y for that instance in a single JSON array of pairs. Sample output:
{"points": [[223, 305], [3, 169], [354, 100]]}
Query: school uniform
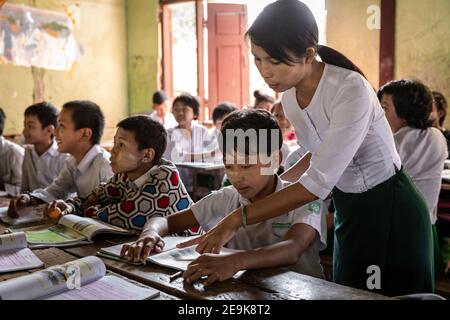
{"points": [[80, 178], [216, 206], [423, 153], [169, 119], [39, 171], [380, 219], [181, 142], [130, 204], [11, 157]]}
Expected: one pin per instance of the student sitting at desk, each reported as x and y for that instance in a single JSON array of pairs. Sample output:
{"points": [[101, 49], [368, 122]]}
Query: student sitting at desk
{"points": [[143, 186], [188, 137], [11, 157], [80, 128], [293, 239], [188, 141], [422, 148], [42, 162]]}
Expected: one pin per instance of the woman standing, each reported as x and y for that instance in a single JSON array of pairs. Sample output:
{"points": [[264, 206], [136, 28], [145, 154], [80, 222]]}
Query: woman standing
{"points": [[381, 221]]}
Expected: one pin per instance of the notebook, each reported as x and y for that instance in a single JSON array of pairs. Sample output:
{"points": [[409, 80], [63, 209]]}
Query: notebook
{"points": [[14, 254]]}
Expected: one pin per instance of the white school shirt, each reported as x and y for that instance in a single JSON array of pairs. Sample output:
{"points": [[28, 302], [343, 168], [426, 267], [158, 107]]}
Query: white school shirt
{"points": [[180, 142], [345, 129], [216, 206], [423, 153], [11, 157], [169, 119], [81, 179], [38, 172]]}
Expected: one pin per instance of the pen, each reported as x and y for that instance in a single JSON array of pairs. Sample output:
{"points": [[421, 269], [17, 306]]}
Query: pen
{"points": [[175, 276]]}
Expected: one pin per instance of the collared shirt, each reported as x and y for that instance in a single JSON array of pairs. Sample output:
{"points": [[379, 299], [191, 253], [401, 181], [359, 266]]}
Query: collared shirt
{"points": [[169, 119], [181, 141], [423, 153], [38, 172], [129, 204], [11, 157], [80, 178], [214, 207], [345, 129]]}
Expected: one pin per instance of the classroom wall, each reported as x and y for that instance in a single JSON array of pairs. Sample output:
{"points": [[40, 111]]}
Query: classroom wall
{"points": [[347, 32], [143, 53], [423, 43], [101, 75]]}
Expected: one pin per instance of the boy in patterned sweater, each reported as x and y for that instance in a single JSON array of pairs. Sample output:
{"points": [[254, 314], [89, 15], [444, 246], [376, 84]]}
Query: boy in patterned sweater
{"points": [[143, 186]]}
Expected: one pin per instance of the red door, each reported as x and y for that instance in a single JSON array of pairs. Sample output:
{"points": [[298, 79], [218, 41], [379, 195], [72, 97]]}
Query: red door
{"points": [[228, 70]]}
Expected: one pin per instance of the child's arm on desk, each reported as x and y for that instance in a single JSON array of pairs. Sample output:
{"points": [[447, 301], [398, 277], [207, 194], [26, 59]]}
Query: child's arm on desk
{"points": [[153, 231], [222, 267]]}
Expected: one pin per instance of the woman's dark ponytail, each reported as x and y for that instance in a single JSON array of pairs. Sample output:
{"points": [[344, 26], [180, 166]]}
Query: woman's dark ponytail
{"points": [[334, 57]]}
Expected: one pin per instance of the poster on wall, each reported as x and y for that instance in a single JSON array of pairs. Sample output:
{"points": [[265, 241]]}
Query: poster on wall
{"points": [[36, 37]]}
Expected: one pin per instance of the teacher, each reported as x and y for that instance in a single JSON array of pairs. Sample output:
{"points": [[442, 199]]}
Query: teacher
{"points": [[381, 220]]}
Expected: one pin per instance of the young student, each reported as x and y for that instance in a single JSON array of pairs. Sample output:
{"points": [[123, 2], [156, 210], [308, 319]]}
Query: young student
{"points": [[80, 128], [294, 238], [143, 186], [42, 162], [188, 137], [161, 112], [438, 114], [219, 113], [289, 138], [188, 141], [381, 219], [262, 100], [422, 148], [11, 157]]}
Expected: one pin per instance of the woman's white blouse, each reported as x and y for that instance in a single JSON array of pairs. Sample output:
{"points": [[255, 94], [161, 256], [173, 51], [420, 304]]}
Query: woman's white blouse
{"points": [[345, 129]]}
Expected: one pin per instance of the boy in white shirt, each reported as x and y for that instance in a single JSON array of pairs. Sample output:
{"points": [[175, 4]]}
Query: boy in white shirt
{"points": [[422, 148], [42, 162], [161, 111], [292, 239], [11, 156], [80, 128]]}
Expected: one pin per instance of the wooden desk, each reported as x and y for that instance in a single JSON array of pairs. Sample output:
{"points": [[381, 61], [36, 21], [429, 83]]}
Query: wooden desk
{"points": [[264, 284], [206, 177]]}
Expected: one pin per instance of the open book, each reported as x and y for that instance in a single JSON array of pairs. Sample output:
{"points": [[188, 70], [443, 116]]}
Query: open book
{"points": [[26, 215], [82, 279], [71, 230], [171, 256], [14, 254]]}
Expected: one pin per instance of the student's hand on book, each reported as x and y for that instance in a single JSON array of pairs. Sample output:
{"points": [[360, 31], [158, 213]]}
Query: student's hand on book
{"points": [[18, 203], [139, 250], [217, 237], [57, 209], [214, 267]]}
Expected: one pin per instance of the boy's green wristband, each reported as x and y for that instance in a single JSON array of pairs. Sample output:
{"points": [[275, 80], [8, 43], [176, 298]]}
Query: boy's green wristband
{"points": [[244, 216]]}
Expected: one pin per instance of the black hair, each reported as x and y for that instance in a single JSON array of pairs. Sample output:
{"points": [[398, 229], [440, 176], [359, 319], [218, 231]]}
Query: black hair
{"points": [[441, 105], [222, 109], [2, 121], [148, 133], [190, 101], [262, 97], [412, 101], [87, 114], [46, 113], [276, 104], [159, 97], [288, 26], [259, 120]]}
